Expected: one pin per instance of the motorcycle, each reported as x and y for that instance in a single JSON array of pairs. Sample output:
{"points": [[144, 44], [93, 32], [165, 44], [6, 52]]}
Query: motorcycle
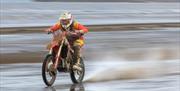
{"points": [[61, 61]]}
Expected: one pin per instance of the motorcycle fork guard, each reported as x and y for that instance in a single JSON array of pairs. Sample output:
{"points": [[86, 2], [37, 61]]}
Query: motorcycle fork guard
{"points": [[58, 56]]}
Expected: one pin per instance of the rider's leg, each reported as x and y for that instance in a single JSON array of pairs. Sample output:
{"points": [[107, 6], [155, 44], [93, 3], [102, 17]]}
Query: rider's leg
{"points": [[77, 52]]}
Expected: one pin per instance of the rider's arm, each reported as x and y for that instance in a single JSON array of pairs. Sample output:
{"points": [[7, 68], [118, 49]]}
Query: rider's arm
{"points": [[55, 27], [82, 29]]}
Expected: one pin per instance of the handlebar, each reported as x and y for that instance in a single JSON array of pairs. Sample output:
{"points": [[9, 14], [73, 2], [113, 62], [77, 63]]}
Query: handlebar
{"points": [[49, 32]]}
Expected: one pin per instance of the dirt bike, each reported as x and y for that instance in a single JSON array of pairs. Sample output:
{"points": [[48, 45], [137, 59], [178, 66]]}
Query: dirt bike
{"points": [[62, 61]]}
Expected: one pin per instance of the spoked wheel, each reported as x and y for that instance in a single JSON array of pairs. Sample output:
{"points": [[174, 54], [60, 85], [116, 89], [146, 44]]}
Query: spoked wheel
{"points": [[78, 75], [48, 72]]}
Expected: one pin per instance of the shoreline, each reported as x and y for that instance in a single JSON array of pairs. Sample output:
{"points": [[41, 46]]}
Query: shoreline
{"points": [[96, 28]]}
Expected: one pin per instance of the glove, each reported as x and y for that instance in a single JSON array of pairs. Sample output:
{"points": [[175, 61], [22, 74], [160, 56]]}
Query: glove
{"points": [[48, 31], [76, 35], [79, 33], [72, 36]]}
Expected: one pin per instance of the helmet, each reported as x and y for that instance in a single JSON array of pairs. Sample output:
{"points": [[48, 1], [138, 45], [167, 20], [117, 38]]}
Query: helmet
{"points": [[66, 19]]}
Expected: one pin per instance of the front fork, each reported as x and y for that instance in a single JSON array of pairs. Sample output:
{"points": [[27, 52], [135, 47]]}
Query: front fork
{"points": [[58, 57]]}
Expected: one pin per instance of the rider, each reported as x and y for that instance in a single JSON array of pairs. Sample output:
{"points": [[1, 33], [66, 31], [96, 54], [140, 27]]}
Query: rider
{"points": [[77, 30]]}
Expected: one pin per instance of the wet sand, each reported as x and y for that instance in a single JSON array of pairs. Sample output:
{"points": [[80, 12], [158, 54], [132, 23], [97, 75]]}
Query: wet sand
{"points": [[140, 52], [135, 1], [98, 27], [123, 75], [23, 13], [136, 59], [129, 41]]}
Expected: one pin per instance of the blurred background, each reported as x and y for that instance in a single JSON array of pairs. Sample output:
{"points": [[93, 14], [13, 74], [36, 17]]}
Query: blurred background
{"points": [[132, 45]]}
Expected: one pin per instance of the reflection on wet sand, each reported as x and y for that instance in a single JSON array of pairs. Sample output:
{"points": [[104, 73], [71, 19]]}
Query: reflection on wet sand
{"points": [[73, 87], [77, 87]]}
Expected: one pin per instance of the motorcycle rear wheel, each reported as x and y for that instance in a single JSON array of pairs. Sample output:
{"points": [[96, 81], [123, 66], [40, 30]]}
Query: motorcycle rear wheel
{"points": [[74, 73]]}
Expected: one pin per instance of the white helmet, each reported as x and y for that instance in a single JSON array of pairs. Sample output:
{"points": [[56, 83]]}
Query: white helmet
{"points": [[66, 19]]}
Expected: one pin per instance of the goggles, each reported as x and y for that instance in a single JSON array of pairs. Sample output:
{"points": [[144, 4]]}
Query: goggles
{"points": [[65, 21]]}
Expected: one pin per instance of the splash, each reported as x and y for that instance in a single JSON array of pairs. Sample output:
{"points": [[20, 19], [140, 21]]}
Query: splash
{"points": [[121, 70]]}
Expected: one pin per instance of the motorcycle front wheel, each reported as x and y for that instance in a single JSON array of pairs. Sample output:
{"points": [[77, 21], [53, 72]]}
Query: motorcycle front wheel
{"points": [[48, 72]]}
